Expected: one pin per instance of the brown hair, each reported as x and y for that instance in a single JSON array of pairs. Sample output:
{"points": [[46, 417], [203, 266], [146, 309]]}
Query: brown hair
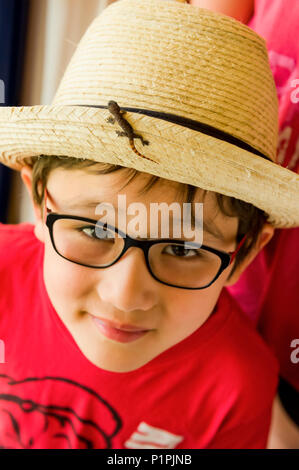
{"points": [[251, 219]]}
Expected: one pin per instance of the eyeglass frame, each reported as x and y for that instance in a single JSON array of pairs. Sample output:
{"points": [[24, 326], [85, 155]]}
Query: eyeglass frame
{"points": [[145, 245]]}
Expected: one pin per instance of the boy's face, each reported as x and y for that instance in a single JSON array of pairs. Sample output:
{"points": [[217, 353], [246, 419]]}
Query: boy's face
{"points": [[124, 293]]}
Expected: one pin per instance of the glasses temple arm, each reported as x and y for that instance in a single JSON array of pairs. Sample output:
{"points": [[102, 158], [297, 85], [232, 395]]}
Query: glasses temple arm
{"points": [[234, 253]]}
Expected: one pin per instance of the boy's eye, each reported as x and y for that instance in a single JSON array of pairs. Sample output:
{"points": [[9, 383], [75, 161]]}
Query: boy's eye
{"points": [[89, 231], [95, 232], [181, 251]]}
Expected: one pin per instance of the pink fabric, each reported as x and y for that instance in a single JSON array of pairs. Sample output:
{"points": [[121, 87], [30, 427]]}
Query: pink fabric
{"points": [[277, 21], [214, 389], [269, 289]]}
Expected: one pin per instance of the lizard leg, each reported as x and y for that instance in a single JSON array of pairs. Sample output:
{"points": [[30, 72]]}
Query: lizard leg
{"points": [[136, 136], [121, 133], [111, 120], [144, 142]]}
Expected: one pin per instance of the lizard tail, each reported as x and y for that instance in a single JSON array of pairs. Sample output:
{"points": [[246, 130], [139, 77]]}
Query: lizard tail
{"points": [[138, 153]]}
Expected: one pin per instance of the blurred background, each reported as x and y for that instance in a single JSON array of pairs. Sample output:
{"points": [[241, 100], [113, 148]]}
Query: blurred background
{"points": [[37, 40]]}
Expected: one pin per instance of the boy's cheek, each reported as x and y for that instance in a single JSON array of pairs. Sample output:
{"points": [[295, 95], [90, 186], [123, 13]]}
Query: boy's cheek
{"points": [[65, 281], [196, 304]]}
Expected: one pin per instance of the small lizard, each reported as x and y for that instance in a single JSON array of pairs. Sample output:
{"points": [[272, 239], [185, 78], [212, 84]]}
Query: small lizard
{"points": [[128, 131]]}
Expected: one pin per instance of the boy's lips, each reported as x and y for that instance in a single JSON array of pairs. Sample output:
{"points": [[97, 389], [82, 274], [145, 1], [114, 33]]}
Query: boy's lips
{"points": [[122, 326], [123, 333]]}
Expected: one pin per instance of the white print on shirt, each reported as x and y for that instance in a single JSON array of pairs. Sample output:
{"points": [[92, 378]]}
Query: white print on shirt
{"points": [[295, 353], [283, 143], [148, 437], [2, 352], [295, 93]]}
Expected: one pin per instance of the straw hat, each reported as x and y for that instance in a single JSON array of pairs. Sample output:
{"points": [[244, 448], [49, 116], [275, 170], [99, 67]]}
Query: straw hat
{"points": [[197, 90]]}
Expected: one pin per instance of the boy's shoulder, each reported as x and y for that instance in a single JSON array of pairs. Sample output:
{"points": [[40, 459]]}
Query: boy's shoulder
{"points": [[17, 241], [20, 263], [247, 369], [247, 341], [240, 335], [8, 231]]}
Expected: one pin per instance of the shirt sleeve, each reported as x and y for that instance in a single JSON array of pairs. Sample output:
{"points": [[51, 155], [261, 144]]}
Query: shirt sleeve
{"points": [[252, 434]]}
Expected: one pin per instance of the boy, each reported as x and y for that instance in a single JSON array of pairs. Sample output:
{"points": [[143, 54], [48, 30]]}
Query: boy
{"points": [[108, 345]]}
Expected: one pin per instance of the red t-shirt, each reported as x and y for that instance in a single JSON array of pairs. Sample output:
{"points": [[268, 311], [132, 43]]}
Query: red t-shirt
{"points": [[214, 389], [268, 291]]}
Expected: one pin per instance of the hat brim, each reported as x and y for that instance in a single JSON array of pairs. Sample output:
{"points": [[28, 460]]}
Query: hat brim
{"points": [[178, 153]]}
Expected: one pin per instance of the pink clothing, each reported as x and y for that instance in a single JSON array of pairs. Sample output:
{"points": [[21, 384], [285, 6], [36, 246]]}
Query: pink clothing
{"points": [[269, 289], [277, 21], [212, 390]]}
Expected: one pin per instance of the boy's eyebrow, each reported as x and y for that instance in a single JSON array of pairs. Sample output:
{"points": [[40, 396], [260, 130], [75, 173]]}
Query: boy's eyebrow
{"points": [[208, 227]]}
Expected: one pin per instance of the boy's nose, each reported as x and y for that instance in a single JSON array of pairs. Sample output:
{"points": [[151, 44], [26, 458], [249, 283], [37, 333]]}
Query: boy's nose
{"points": [[128, 285]]}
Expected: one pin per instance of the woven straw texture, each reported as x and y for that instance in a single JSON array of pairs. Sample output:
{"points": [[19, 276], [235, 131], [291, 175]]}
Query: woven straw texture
{"points": [[170, 57]]}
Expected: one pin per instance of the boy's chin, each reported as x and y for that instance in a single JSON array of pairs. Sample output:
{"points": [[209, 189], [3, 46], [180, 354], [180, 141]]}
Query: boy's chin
{"points": [[112, 356], [119, 365]]}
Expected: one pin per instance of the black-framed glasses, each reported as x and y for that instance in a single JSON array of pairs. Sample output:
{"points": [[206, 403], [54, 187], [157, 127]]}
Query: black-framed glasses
{"points": [[98, 245]]}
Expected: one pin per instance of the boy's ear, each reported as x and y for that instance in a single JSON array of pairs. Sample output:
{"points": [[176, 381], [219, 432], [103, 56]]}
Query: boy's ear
{"points": [[264, 237], [26, 175]]}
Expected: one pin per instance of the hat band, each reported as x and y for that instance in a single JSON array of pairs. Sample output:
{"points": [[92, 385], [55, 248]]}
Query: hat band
{"points": [[191, 124]]}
